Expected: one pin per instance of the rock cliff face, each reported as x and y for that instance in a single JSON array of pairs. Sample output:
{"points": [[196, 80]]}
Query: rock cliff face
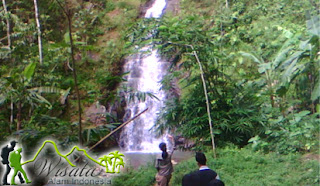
{"points": [[173, 7]]}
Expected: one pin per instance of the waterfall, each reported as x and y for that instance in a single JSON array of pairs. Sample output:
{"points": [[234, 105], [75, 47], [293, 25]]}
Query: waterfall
{"points": [[146, 72]]}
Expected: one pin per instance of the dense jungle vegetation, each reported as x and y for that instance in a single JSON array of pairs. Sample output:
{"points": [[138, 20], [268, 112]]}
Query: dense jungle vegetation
{"points": [[260, 63], [38, 94]]}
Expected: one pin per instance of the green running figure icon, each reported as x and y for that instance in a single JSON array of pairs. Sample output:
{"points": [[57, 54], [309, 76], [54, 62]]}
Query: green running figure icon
{"points": [[15, 163]]}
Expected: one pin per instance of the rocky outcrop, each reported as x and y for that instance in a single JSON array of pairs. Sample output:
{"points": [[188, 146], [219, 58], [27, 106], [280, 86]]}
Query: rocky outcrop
{"points": [[172, 7], [183, 143], [96, 114]]}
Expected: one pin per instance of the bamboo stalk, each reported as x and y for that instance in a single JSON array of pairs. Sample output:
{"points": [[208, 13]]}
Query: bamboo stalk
{"points": [[207, 101]]}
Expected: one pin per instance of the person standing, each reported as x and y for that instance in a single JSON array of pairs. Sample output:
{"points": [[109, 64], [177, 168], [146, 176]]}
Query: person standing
{"points": [[164, 164], [5, 160]]}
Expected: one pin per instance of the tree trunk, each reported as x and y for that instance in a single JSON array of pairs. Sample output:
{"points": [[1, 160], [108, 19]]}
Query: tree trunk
{"points": [[207, 101], [75, 76], [8, 23], [19, 116], [11, 114], [39, 30], [68, 13], [272, 100]]}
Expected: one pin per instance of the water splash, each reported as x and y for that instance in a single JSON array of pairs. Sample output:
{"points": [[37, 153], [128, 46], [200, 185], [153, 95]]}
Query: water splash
{"points": [[156, 10]]}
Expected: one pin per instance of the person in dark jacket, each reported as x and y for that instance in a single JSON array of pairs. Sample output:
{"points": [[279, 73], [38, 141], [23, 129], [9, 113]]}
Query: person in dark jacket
{"points": [[204, 176]]}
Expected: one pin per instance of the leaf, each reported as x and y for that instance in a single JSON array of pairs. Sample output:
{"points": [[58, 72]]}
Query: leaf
{"points": [[111, 126], [291, 72], [281, 56], [79, 43], [2, 99], [46, 89], [286, 63], [316, 91], [64, 95], [287, 34], [41, 99], [254, 58], [254, 139], [162, 28], [304, 45], [29, 70], [302, 113], [264, 67], [66, 37], [313, 25]]}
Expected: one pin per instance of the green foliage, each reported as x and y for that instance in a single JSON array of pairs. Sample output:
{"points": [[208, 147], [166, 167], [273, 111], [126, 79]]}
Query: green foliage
{"points": [[29, 70], [284, 68], [93, 134], [259, 95], [237, 167], [240, 91], [234, 116], [297, 132], [43, 127], [143, 176], [33, 89], [313, 25]]}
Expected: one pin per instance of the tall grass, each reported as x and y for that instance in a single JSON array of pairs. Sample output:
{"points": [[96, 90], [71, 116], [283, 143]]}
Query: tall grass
{"points": [[238, 167]]}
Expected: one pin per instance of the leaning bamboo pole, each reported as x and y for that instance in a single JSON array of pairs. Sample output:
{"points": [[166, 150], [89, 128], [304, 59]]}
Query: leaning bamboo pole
{"points": [[122, 125], [112, 132], [207, 100]]}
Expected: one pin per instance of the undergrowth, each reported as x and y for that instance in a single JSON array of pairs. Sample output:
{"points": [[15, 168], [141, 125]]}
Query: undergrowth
{"points": [[239, 167]]}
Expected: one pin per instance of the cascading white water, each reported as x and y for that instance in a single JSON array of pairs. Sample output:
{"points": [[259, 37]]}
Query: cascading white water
{"points": [[146, 72]]}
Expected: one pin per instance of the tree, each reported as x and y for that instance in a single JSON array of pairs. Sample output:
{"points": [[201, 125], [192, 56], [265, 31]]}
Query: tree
{"points": [[68, 12], [20, 91], [8, 22], [39, 30], [290, 65]]}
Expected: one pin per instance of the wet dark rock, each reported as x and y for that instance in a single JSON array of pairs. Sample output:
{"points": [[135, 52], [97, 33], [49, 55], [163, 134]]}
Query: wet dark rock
{"points": [[96, 114]]}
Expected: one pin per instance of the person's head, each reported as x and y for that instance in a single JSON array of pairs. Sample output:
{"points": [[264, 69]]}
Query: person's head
{"points": [[163, 147], [201, 158], [13, 143]]}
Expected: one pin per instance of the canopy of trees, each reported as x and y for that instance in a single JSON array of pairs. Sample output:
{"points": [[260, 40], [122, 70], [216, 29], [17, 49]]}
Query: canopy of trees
{"points": [[260, 64]]}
